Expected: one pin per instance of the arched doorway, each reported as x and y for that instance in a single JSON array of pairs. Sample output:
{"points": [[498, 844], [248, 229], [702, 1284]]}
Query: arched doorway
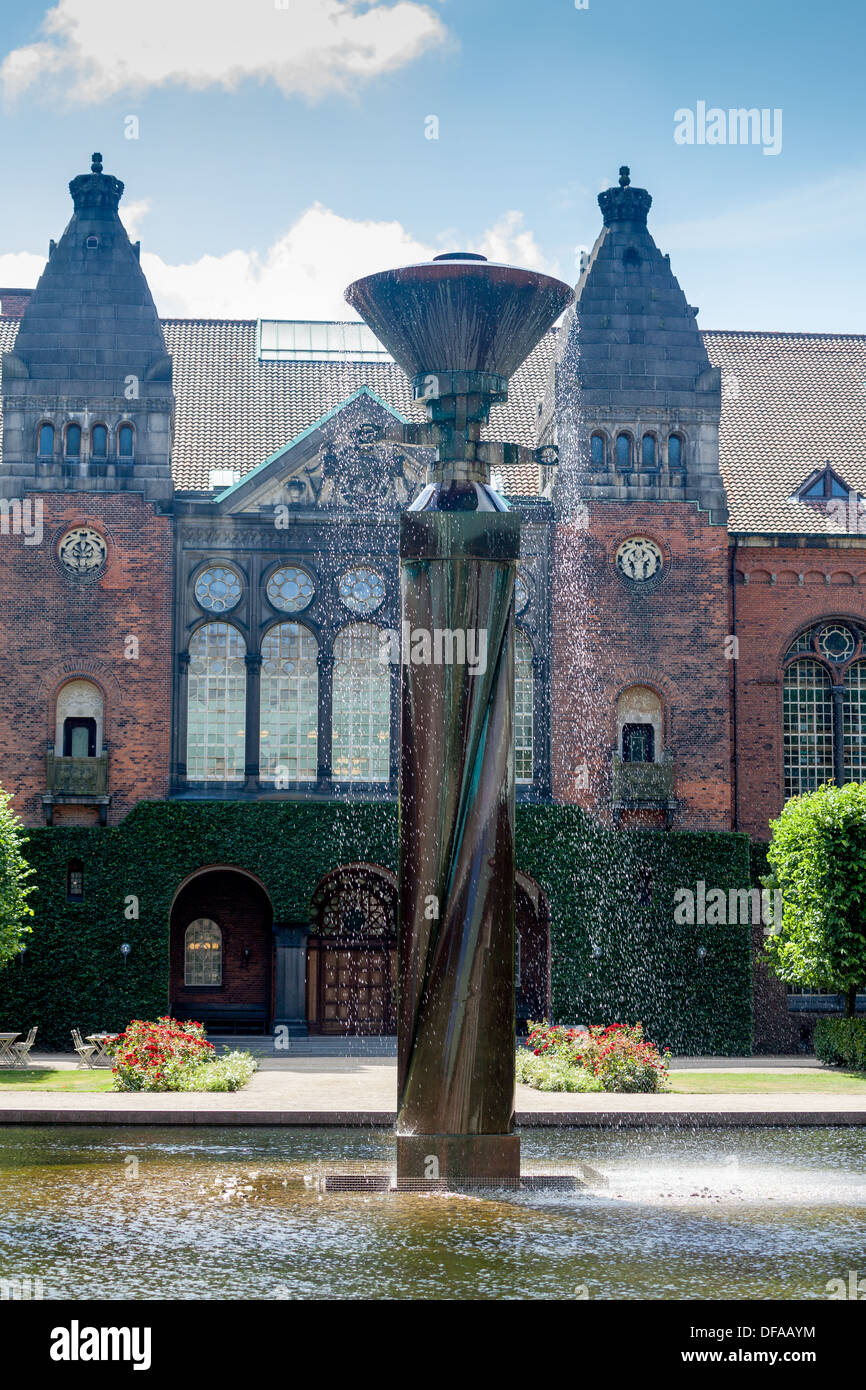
{"points": [[222, 951], [352, 952], [532, 929]]}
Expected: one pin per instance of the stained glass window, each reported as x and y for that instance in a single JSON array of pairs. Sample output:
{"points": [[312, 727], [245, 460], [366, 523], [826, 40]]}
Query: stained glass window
{"points": [[623, 451], [675, 451], [807, 727], [99, 442], [73, 441], [290, 589], [218, 588], [125, 442], [203, 953], [523, 712], [597, 450], [216, 704], [854, 722], [360, 707], [289, 724], [648, 451], [46, 440]]}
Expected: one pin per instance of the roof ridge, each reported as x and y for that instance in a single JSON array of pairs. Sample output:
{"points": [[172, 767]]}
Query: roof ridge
{"points": [[778, 333]]}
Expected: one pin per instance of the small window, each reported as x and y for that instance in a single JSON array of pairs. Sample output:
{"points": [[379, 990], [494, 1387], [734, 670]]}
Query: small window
{"points": [[99, 442], [638, 743], [79, 738], [75, 881], [46, 441], [675, 451], [73, 441], [203, 953], [597, 450], [648, 451], [826, 485], [125, 442], [623, 451]]}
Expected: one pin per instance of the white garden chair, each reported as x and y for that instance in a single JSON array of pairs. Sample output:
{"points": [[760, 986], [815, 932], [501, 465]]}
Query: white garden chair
{"points": [[85, 1050], [21, 1050]]}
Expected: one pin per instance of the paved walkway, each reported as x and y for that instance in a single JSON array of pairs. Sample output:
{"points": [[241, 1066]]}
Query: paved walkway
{"points": [[361, 1091]]}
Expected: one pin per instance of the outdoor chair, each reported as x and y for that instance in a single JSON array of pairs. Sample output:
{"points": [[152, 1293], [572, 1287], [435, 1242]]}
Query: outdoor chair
{"points": [[21, 1050], [85, 1050]]}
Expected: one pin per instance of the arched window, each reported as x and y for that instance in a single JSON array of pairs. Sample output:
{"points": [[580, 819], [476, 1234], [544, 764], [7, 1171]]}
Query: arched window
{"points": [[639, 725], [648, 452], [523, 714], [74, 881], [807, 727], [360, 707], [99, 442], [355, 901], [597, 450], [125, 442], [216, 704], [203, 953], [623, 451], [289, 725], [46, 441], [675, 451], [79, 720], [73, 441], [854, 722]]}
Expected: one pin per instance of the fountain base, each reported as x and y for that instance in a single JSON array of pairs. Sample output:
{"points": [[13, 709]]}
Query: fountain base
{"points": [[459, 1160]]}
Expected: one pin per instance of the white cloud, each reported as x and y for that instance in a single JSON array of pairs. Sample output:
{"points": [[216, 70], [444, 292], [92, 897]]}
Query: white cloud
{"points": [[92, 50], [302, 275], [131, 215]]}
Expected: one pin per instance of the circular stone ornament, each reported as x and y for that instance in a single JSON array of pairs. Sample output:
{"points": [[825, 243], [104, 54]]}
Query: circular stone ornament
{"points": [[290, 589], [218, 588], [639, 559], [82, 550], [836, 642], [362, 590]]}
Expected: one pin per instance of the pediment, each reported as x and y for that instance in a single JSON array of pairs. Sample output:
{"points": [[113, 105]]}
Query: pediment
{"points": [[326, 468]]}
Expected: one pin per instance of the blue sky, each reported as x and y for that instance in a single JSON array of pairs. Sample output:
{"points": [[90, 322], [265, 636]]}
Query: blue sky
{"points": [[281, 143]]}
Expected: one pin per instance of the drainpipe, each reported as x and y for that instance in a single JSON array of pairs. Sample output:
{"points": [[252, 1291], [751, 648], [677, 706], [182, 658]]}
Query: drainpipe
{"points": [[734, 740]]}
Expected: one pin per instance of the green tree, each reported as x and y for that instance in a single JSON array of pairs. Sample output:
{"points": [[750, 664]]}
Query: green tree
{"points": [[818, 859], [14, 888]]}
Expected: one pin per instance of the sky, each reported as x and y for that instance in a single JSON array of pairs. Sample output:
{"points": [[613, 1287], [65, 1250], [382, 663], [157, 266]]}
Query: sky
{"points": [[275, 150]]}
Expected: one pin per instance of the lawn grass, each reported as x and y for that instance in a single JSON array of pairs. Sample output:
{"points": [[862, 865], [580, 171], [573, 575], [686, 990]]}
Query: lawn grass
{"points": [[49, 1079], [704, 1083]]}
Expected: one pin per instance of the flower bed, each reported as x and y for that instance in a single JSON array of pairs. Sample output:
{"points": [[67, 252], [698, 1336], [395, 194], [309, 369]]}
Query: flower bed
{"points": [[171, 1056], [615, 1058]]}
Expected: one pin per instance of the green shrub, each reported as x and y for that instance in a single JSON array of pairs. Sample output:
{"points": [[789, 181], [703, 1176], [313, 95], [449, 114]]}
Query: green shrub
{"points": [[553, 1074], [616, 1058], [841, 1042]]}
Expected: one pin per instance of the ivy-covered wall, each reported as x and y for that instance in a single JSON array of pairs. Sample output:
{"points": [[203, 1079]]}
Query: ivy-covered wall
{"points": [[612, 890]]}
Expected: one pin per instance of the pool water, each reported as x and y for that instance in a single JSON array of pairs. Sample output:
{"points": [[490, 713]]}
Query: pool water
{"points": [[210, 1213]]}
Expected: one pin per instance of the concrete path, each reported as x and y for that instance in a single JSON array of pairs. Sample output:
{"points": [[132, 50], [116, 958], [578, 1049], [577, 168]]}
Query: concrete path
{"points": [[362, 1091]]}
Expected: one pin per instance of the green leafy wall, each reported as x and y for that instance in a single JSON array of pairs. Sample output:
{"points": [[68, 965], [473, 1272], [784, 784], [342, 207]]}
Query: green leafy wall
{"points": [[73, 973]]}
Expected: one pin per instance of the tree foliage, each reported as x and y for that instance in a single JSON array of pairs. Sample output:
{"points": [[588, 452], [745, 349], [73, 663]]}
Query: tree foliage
{"points": [[818, 859], [14, 888]]}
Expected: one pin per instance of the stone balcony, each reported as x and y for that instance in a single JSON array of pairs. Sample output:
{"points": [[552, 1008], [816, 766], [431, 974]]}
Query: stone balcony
{"points": [[76, 782], [643, 787]]}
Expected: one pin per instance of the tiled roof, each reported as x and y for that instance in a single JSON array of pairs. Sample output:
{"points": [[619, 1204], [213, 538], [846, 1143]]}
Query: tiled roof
{"points": [[789, 402]]}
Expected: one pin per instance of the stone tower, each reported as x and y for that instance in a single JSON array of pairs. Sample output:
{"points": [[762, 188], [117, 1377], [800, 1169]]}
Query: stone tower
{"points": [[640, 698], [87, 393]]}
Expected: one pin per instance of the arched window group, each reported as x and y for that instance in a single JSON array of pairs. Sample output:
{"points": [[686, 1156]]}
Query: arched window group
{"points": [[74, 441], [289, 705], [630, 452], [824, 707]]}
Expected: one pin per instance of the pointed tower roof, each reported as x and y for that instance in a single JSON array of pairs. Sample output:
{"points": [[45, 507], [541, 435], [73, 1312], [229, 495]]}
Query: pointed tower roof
{"points": [[91, 321]]}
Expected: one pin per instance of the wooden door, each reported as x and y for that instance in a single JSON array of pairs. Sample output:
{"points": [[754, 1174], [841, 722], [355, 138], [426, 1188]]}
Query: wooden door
{"points": [[358, 989]]}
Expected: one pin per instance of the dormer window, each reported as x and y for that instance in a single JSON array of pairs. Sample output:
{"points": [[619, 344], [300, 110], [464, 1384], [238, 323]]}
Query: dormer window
{"points": [[597, 450], [675, 451], [73, 441], [823, 485], [623, 451], [99, 442], [125, 442], [46, 441], [648, 452]]}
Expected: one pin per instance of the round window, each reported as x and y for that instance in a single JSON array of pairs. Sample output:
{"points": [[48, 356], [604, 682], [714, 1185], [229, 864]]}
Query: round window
{"points": [[836, 642], [218, 588], [290, 589], [639, 559], [362, 590], [82, 550]]}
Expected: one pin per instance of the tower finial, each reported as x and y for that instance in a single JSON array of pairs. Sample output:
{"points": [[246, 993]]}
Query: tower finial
{"points": [[96, 163], [624, 179]]}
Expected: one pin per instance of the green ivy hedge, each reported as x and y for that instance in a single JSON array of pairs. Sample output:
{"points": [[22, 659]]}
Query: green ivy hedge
{"points": [[841, 1042], [73, 973]]}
